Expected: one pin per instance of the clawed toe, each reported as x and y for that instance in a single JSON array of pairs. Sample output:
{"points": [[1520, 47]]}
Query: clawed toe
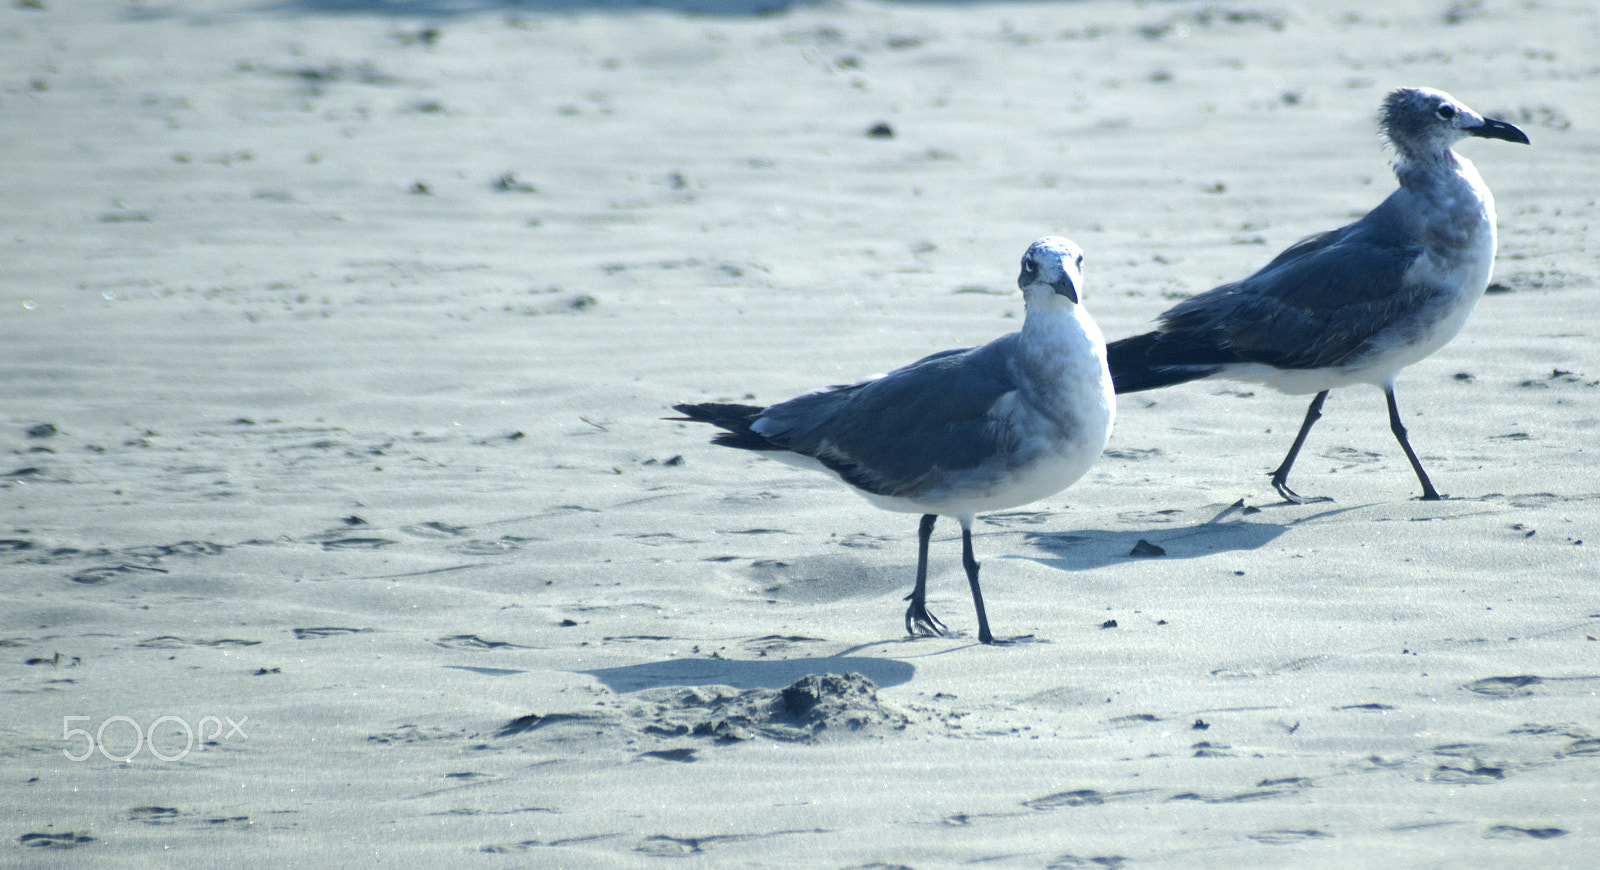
{"points": [[1293, 497], [921, 623]]}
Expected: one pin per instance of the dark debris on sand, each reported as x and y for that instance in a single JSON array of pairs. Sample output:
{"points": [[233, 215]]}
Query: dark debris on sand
{"points": [[813, 707]]}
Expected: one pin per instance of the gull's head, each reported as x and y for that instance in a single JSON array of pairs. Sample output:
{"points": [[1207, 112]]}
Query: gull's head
{"points": [[1422, 122], [1052, 267]]}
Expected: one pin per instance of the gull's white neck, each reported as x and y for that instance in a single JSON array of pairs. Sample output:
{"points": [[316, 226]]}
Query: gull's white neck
{"points": [[1454, 207]]}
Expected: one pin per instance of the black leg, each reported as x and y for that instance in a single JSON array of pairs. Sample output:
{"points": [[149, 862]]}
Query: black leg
{"points": [[970, 562], [1399, 430], [919, 621], [1280, 478]]}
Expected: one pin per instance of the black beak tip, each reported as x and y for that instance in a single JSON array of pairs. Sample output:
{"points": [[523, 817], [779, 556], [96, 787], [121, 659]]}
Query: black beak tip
{"points": [[1493, 129], [1066, 288]]}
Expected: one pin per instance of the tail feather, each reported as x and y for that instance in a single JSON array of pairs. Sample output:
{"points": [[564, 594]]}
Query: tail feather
{"points": [[735, 420], [1161, 359]]}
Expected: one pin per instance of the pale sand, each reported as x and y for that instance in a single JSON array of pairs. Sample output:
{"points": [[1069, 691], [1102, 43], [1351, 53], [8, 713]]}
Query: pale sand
{"points": [[380, 475]]}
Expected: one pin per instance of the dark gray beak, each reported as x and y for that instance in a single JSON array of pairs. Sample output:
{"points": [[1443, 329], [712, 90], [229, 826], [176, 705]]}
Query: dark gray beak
{"points": [[1492, 129], [1064, 287]]}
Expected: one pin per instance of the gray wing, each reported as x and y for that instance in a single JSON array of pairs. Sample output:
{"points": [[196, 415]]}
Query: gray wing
{"points": [[1318, 304], [898, 435]]}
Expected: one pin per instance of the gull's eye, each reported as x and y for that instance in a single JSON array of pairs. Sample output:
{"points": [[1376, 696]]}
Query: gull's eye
{"points": [[1445, 112], [1080, 261], [1029, 269]]}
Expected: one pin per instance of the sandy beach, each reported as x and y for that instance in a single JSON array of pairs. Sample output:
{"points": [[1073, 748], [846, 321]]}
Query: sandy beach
{"points": [[342, 526]]}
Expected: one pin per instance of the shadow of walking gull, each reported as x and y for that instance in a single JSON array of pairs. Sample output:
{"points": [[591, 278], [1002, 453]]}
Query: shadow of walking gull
{"points": [[441, 9], [1084, 550], [747, 674], [1089, 549]]}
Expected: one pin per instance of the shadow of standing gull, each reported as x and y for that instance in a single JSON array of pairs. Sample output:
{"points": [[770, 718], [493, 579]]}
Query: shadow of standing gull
{"points": [[747, 674]]}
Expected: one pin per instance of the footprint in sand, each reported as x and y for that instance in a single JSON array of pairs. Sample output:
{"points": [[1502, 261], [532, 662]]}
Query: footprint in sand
{"points": [[330, 631], [50, 840], [1288, 838], [1069, 860], [167, 641], [1503, 687], [154, 815], [825, 579], [472, 641], [1512, 832]]}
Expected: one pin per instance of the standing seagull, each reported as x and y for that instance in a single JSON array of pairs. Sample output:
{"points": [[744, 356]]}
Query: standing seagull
{"points": [[962, 431], [1354, 305]]}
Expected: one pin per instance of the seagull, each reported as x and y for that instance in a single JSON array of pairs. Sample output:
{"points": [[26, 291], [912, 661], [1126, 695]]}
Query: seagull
{"points": [[960, 432], [1353, 305]]}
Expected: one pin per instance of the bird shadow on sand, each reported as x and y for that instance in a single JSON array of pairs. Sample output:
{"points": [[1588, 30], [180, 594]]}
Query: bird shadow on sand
{"points": [[748, 674], [1235, 528], [447, 9]]}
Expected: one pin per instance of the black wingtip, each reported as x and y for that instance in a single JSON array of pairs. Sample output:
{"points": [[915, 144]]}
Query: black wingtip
{"points": [[717, 413], [1152, 360], [734, 419]]}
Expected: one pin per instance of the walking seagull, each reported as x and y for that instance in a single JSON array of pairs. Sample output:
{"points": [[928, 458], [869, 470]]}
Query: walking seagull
{"points": [[1354, 305], [960, 432]]}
